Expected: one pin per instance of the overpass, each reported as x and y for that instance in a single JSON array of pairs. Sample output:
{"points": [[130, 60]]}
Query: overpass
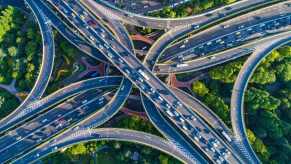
{"points": [[47, 125], [59, 96], [100, 134], [130, 65], [128, 62], [214, 59], [231, 33], [237, 97], [46, 68], [168, 23]]}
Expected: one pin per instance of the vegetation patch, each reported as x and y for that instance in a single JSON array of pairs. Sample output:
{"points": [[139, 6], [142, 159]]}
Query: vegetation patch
{"points": [[267, 102]]}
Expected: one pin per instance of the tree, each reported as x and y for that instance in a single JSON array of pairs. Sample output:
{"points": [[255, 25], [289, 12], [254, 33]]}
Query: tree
{"points": [[163, 159], [226, 73], [2, 101], [283, 71], [199, 88], [229, 1], [285, 51], [263, 75], [78, 149], [257, 98], [12, 51], [218, 106], [258, 145]]}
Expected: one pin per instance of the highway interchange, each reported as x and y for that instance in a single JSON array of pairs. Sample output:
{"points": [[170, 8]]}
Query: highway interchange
{"points": [[194, 132]]}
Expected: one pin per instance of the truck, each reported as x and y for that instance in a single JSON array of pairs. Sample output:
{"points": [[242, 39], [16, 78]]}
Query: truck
{"points": [[143, 74], [227, 137], [182, 65]]}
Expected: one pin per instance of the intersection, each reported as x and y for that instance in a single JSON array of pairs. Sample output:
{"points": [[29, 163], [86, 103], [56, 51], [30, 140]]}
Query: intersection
{"points": [[194, 132]]}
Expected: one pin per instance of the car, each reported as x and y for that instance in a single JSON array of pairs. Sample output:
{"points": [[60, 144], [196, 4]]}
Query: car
{"points": [[142, 87], [120, 60], [144, 47], [214, 142], [103, 35], [82, 17], [184, 126], [226, 26], [176, 114], [181, 119], [92, 38], [18, 138], [241, 26], [106, 46], [127, 71], [44, 120], [169, 113], [110, 55], [84, 101], [152, 90], [100, 46], [140, 71], [196, 138], [73, 14], [212, 57], [179, 104], [212, 148], [228, 8], [182, 46], [140, 79], [91, 22]]}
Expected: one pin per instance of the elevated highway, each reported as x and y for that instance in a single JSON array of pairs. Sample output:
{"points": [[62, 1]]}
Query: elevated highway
{"points": [[213, 59], [47, 125], [70, 34], [163, 125], [168, 23], [128, 62], [240, 86], [59, 96], [144, 6], [80, 136], [46, 68], [231, 33], [175, 113]]}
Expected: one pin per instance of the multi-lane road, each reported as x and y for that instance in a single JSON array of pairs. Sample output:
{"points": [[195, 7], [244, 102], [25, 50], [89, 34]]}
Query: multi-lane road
{"points": [[240, 86], [194, 132], [149, 84], [103, 134], [45, 69], [168, 23]]}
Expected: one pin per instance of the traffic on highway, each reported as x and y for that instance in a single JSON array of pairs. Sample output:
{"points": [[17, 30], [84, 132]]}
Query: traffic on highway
{"points": [[191, 131]]}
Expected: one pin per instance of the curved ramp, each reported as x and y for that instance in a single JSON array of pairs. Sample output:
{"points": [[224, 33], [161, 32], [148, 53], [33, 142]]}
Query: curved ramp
{"points": [[237, 97]]}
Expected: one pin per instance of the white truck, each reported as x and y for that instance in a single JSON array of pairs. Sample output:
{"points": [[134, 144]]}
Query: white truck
{"points": [[143, 74]]}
